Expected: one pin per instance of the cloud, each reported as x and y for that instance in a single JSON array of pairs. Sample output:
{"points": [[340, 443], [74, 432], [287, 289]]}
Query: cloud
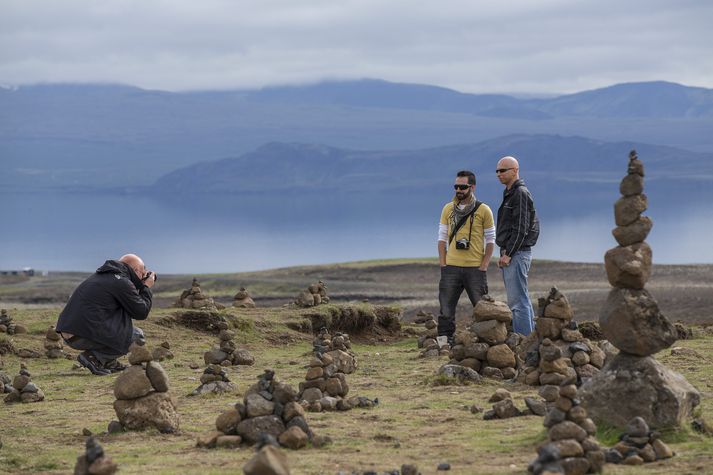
{"points": [[476, 46]]}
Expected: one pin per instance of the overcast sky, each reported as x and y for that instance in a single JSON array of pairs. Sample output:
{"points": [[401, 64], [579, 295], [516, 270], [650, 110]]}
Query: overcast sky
{"points": [[537, 46]]}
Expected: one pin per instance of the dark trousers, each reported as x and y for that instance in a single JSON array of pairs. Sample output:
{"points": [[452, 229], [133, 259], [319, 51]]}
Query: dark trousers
{"points": [[102, 352], [453, 281]]}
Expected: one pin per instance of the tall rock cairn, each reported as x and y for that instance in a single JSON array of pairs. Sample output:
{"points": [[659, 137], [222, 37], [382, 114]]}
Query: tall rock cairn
{"points": [[633, 383], [243, 300]]}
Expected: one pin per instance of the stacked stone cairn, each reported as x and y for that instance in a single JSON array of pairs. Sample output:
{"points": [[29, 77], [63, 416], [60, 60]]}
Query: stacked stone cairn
{"points": [[325, 387], [504, 407], [269, 409], [487, 347], [7, 325], [227, 352], [570, 447], [142, 394], [633, 383], [638, 445], [427, 341], [242, 299], [315, 294], [214, 380], [93, 461], [563, 355], [22, 388], [53, 344], [162, 352], [195, 298]]}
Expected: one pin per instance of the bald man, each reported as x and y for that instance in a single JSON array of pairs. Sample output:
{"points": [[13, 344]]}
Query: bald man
{"points": [[516, 233], [98, 316]]}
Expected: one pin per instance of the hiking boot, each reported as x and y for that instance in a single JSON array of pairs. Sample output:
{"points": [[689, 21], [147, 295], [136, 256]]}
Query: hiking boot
{"points": [[89, 361], [114, 366]]}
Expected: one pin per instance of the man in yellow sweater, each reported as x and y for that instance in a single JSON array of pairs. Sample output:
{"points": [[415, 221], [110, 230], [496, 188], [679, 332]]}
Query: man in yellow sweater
{"points": [[466, 237]]}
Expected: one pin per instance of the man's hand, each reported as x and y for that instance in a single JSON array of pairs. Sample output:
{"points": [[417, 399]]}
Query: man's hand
{"points": [[504, 261], [150, 279]]}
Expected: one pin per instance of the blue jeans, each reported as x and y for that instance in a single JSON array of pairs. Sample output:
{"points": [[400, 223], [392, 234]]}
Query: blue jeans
{"points": [[454, 280], [515, 279]]}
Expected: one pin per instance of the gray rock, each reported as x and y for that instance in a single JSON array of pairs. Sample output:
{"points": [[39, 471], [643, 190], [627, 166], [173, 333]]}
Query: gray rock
{"points": [[157, 376], [488, 308], [628, 209], [243, 357], [258, 406], [460, 373], [637, 427], [631, 321], [154, 410], [505, 409], [634, 232], [214, 356], [251, 429], [132, 383], [628, 267], [268, 460], [538, 408], [492, 332], [631, 386]]}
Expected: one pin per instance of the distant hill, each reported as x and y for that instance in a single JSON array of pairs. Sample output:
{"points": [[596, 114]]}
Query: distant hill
{"points": [[98, 136], [585, 169]]}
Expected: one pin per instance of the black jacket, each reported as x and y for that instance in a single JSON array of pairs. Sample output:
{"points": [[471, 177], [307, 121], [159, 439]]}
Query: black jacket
{"points": [[518, 227], [102, 307]]}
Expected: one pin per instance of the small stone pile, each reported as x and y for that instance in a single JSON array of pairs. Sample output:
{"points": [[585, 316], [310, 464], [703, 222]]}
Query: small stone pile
{"points": [[633, 383], [487, 347], [504, 407], [315, 294], [269, 409], [570, 358], [7, 325], [195, 298], [214, 380], [638, 445], [325, 387], [162, 352], [22, 388], [427, 340], [571, 447], [53, 344], [93, 461], [142, 397], [227, 352], [242, 299]]}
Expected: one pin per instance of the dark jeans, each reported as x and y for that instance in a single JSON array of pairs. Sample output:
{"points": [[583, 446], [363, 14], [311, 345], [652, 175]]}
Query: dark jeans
{"points": [[103, 353], [454, 280]]}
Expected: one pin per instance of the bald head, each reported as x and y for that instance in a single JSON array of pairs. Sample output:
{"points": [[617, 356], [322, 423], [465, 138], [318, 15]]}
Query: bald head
{"points": [[508, 170], [135, 262]]}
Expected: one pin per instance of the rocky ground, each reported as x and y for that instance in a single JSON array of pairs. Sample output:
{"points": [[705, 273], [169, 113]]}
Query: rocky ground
{"points": [[415, 421]]}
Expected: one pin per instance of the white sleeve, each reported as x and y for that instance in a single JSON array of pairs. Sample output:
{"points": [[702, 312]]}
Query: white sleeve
{"points": [[490, 235], [443, 232]]}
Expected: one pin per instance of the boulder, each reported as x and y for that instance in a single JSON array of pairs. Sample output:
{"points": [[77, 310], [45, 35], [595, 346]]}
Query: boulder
{"points": [[243, 357], [227, 422], [634, 232], [132, 383], [154, 410], [258, 406], [631, 386], [501, 356], [293, 438], [491, 332], [461, 373], [559, 308], [490, 309], [214, 356], [549, 327], [631, 321], [630, 266], [632, 185], [343, 361], [628, 209], [252, 428], [157, 376], [268, 461]]}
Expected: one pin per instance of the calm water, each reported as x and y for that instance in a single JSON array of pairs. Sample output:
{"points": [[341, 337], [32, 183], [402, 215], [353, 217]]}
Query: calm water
{"points": [[234, 234]]}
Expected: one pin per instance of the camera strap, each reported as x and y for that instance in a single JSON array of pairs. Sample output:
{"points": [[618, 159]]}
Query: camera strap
{"points": [[462, 221]]}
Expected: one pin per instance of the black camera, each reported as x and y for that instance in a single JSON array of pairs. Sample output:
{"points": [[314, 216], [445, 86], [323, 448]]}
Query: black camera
{"points": [[148, 275], [462, 244]]}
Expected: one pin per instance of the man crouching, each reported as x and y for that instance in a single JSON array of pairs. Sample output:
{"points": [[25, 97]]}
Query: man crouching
{"points": [[97, 317]]}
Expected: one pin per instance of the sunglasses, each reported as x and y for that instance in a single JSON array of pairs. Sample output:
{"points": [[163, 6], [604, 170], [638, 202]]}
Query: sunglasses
{"points": [[461, 187], [502, 170]]}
